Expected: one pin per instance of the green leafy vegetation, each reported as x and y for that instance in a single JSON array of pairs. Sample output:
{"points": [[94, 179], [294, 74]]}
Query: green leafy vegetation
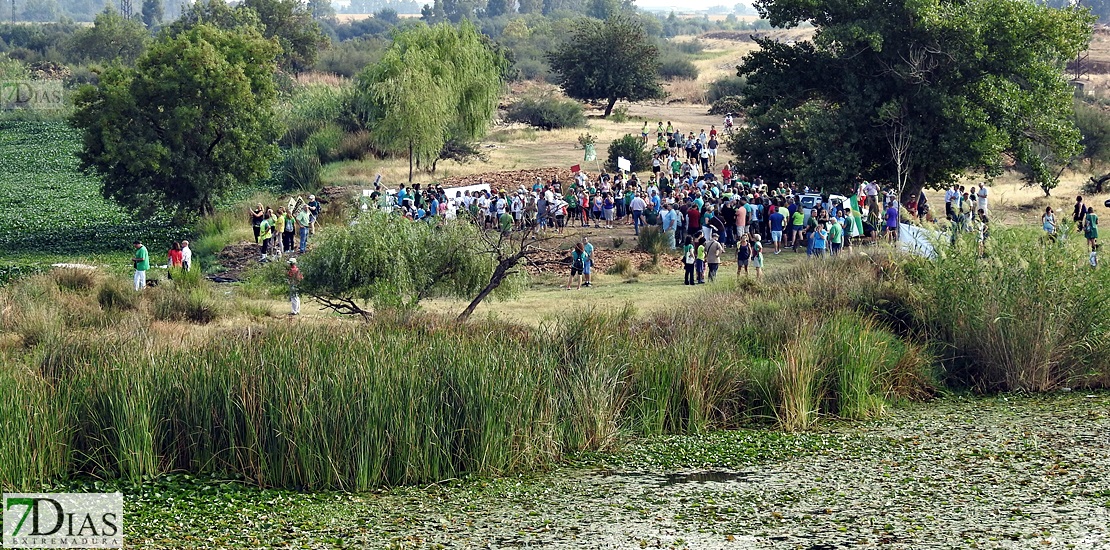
{"points": [[954, 95], [632, 148], [609, 61], [547, 112], [55, 209]]}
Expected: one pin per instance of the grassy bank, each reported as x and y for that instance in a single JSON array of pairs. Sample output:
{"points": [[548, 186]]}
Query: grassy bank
{"points": [[106, 384], [99, 380]]}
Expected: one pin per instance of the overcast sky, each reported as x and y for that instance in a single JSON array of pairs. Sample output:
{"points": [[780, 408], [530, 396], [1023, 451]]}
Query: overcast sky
{"points": [[685, 5]]}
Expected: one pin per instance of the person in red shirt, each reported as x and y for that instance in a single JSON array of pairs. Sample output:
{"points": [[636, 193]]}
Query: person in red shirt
{"points": [[712, 132], [175, 255], [693, 226], [726, 174]]}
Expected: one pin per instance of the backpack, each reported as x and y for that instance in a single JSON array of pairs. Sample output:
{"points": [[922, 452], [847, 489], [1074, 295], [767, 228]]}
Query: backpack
{"points": [[579, 264], [689, 259]]}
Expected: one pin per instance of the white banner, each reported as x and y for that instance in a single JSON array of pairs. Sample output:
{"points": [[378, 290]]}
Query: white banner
{"points": [[624, 164]]}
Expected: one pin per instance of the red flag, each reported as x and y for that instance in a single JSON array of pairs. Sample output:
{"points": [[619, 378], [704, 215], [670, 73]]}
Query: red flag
{"points": [[576, 168]]}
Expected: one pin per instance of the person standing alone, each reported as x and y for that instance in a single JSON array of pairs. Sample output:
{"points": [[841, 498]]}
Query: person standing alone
{"points": [[294, 276], [141, 261]]}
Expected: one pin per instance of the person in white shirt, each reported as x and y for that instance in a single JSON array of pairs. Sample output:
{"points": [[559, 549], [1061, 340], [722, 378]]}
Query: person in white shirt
{"points": [[949, 196], [983, 198], [637, 206], [186, 256]]}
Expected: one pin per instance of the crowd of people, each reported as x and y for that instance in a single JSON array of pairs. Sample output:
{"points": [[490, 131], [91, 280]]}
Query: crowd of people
{"points": [[274, 230]]}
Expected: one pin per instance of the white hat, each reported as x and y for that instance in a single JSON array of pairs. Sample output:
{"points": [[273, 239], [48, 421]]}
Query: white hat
{"points": [[292, 261]]}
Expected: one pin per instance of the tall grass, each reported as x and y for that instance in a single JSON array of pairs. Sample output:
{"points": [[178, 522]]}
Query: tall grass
{"points": [[353, 406], [1029, 316]]}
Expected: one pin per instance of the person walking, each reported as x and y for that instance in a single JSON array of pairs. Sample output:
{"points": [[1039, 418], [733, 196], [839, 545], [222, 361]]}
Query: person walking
{"points": [[743, 255], [713, 254], [577, 265], [288, 229], [1048, 223], [141, 262], [984, 232], [294, 276], [1090, 231], [689, 258], [266, 234], [588, 262], [637, 205]]}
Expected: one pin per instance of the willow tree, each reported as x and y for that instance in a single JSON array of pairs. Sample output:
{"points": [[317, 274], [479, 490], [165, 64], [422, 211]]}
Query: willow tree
{"points": [[434, 84]]}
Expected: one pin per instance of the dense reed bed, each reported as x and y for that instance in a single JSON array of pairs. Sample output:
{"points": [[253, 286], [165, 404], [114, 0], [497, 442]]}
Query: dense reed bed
{"points": [[96, 381]]}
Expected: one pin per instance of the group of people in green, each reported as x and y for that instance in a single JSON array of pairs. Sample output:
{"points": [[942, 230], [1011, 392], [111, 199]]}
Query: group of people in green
{"points": [[274, 230]]}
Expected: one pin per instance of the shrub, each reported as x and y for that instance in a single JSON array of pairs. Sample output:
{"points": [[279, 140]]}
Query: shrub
{"points": [[75, 279], [651, 240], [620, 114], [631, 148], [354, 146], [194, 305], [547, 112], [1028, 317], [622, 267], [618, 242], [725, 87], [186, 279], [302, 170], [726, 105], [116, 294], [671, 68], [325, 142]]}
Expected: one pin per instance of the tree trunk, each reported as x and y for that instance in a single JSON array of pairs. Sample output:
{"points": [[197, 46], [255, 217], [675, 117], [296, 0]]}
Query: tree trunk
{"points": [[410, 162], [914, 184], [495, 280], [609, 107]]}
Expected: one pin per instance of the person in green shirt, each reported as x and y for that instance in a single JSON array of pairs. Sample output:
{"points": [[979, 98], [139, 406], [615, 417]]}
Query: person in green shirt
{"points": [[836, 236], [699, 263], [796, 226], [506, 221], [141, 261], [266, 234]]}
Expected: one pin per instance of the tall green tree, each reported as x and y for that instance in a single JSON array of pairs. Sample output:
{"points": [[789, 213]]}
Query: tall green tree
{"points": [[112, 37], [434, 84], [152, 13], [192, 120], [608, 60], [289, 22], [914, 92]]}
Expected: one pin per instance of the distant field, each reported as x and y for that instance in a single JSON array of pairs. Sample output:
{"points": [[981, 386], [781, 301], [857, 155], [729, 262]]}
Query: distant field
{"points": [[349, 17]]}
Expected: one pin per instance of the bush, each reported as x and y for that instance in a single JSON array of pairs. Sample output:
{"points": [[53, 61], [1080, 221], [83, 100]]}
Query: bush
{"points": [[622, 267], [194, 305], [725, 105], [325, 142], [1027, 317], [75, 279], [302, 170], [620, 114], [547, 112], [651, 240], [354, 146], [632, 148], [725, 87], [671, 68], [186, 279], [116, 294]]}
